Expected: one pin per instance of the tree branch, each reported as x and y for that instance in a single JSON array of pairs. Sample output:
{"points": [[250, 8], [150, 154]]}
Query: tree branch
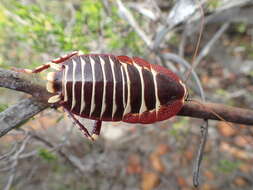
{"points": [[17, 114], [30, 84], [228, 113]]}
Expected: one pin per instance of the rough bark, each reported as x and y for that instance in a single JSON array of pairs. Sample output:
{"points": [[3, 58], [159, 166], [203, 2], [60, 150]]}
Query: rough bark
{"points": [[17, 114], [228, 113]]}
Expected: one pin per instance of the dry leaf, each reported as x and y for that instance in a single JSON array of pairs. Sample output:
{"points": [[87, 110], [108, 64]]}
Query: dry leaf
{"points": [[156, 162], [134, 164], [207, 187], [226, 130], [236, 152], [210, 175], [205, 79], [246, 168], [189, 154], [162, 149], [149, 180], [243, 140], [186, 188], [240, 181], [181, 181], [243, 127]]}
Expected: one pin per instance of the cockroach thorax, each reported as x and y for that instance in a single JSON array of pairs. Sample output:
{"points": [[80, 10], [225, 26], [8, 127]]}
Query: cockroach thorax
{"points": [[53, 86]]}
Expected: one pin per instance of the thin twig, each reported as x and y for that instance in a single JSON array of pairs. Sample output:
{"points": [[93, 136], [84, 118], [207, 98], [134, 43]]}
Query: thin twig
{"points": [[180, 13], [182, 42], [204, 52], [72, 18], [71, 159], [6, 155], [126, 14], [15, 159], [144, 10], [233, 3], [16, 17], [107, 6], [203, 139]]}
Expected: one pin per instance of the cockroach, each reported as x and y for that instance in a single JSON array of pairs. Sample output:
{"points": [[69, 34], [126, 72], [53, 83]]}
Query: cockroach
{"points": [[105, 87]]}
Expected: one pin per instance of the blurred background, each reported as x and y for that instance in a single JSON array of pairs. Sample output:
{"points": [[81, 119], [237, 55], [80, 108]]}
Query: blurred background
{"points": [[47, 152]]}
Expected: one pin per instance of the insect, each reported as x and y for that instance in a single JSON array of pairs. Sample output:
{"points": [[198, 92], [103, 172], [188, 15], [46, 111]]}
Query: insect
{"points": [[105, 87]]}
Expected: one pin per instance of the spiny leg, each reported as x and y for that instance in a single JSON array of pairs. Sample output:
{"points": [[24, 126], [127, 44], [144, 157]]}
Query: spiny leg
{"points": [[96, 129], [52, 64], [67, 56], [36, 70], [78, 124], [39, 68]]}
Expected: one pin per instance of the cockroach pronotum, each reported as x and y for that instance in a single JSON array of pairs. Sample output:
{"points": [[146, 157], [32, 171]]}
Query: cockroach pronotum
{"points": [[105, 87]]}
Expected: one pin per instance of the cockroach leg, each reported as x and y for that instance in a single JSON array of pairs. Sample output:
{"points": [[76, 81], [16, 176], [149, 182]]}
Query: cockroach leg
{"points": [[52, 64], [36, 70], [96, 129], [79, 125], [67, 56], [54, 99]]}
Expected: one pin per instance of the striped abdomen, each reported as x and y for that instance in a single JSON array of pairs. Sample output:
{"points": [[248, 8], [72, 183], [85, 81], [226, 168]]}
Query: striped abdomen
{"points": [[113, 88]]}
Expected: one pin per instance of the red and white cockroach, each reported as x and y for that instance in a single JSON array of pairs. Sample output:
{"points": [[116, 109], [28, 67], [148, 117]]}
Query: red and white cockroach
{"points": [[105, 87]]}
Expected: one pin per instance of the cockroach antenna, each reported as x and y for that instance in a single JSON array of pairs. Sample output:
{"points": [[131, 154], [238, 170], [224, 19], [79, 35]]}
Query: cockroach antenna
{"points": [[204, 128], [188, 73]]}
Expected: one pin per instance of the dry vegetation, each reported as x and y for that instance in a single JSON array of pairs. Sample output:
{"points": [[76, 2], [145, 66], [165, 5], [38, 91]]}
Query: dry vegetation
{"points": [[47, 152]]}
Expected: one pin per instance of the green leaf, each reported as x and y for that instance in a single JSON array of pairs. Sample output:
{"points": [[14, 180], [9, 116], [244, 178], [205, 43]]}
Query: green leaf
{"points": [[47, 155], [227, 166], [3, 107]]}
